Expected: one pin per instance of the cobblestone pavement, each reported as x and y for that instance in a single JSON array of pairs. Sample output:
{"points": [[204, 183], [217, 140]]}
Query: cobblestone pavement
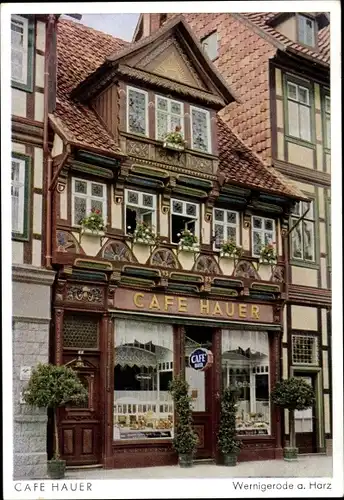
{"points": [[305, 466]]}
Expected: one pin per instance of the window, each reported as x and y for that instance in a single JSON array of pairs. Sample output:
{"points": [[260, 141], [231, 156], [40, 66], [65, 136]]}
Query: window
{"points": [[245, 367], [329, 229], [302, 237], [143, 407], [87, 195], [299, 111], [137, 111], [210, 45], [19, 49], [305, 350], [169, 115], [306, 31], [184, 215], [139, 207], [263, 232], [327, 118], [226, 226], [200, 130], [18, 194]]}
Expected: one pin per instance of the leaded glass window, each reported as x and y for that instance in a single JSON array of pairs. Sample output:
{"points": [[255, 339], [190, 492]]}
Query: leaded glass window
{"points": [[87, 195], [184, 215], [169, 115], [137, 111], [305, 350], [139, 208], [302, 236], [18, 194], [263, 233], [200, 129], [299, 111], [226, 226], [19, 48]]}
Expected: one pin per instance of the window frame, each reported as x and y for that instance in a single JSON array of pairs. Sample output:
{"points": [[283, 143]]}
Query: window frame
{"points": [[204, 40], [293, 219], [196, 218], [326, 114], [25, 161], [88, 198], [255, 230], [28, 53], [182, 115], [145, 93], [207, 113], [225, 225], [140, 205], [301, 18], [315, 347], [305, 84]]}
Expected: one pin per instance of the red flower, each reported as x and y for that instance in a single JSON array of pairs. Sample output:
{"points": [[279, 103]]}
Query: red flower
{"points": [[97, 211]]}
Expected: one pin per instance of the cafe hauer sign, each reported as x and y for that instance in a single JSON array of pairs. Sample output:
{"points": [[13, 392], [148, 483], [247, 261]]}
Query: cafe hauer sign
{"points": [[162, 304]]}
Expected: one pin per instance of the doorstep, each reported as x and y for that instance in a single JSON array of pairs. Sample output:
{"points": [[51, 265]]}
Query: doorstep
{"points": [[82, 467]]}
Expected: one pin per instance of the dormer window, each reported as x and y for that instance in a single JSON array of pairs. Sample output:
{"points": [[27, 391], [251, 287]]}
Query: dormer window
{"points": [[210, 45], [169, 115], [306, 31]]}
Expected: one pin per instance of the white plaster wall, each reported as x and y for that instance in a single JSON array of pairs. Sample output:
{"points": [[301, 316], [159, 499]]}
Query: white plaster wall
{"points": [[90, 243], [164, 223], [323, 273], [116, 214], [326, 384], [141, 252], [57, 146], [38, 170], [246, 235], [300, 155], [39, 71], [226, 265], [304, 318], [186, 260], [18, 148], [40, 36], [37, 253], [309, 188], [17, 252], [64, 204], [278, 82], [327, 413], [304, 276], [39, 107], [19, 99], [37, 213], [324, 326]]}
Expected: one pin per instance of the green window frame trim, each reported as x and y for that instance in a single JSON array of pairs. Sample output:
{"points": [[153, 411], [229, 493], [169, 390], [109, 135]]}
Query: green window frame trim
{"points": [[28, 86], [296, 80], [328, 230], [301, 262], [325, 92], [25, 235]]}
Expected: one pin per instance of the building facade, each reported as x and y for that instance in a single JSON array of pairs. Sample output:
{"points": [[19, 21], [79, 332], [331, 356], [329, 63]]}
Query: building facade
{"points": [[133, 300], [32, 48], [279, 66]]}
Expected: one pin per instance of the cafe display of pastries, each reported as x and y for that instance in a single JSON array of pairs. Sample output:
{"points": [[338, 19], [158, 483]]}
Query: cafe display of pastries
{"points": [[142, 422]]}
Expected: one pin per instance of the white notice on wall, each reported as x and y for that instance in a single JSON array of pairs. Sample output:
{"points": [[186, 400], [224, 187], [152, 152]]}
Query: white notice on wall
{"points": [[25, 372]]}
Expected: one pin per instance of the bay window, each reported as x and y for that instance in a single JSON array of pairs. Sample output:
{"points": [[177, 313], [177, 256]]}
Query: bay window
{"points": [[263, 233], [303, 237], [200, 130], [87, 196], [299, 111], [226, 226], [137, 111], [245, 368], [140, 208], [143, 407], [184, 215], [169, 114]]}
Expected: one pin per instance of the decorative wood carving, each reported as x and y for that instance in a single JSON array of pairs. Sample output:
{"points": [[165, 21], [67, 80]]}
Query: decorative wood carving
{"points": [[84, 294], [277, 274], [170, 157], [122, 176], [87, 437], [277, 313], [164, 257], [111, 296], [199, 430], [60, 291], [58, 335], [68, 447], [200, 164], [137, 148], [118, 251], [66, 242], [206, 264], [245, 269]]}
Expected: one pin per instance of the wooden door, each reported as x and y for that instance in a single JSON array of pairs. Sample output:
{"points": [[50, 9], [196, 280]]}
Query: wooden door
{"points": [[79, 426], [305, 424]]}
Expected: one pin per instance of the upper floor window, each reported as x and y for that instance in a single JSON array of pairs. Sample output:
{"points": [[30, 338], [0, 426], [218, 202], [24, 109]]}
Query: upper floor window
{"points": [[210, 45], [200, 129], [19, 49], [18, 194], [302, 237], [87, 196], [184, 215], [263, 232], [169, 115], [306, 31], [226, 226], [137, 111], [299, 111], [327, 113], [139, 208]]}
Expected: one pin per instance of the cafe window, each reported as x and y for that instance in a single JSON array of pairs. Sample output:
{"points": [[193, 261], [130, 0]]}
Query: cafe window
{"points": [[143, 407], [245, 368]]}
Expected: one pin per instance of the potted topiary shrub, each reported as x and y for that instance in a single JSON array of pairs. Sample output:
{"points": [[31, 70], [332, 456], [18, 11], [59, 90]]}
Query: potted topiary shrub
{"points": [[185, 438], [52, 386], [292, 394], [228, 443]]}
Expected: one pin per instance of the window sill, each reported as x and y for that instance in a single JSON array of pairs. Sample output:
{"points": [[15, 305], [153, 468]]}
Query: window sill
{"points": [[100, 234], [300, 142], [303, 263], [20, 237]]}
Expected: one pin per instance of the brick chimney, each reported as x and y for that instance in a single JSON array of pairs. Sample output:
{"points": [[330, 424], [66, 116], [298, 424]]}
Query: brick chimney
{"points": [[149, 24]]}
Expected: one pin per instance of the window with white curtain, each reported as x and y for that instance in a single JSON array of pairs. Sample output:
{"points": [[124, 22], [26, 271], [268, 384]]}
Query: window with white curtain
{"points": [[299, 111], [143, 358], [245, 367], [169, 114], [18, 194], [303, 236], [19, 48]]}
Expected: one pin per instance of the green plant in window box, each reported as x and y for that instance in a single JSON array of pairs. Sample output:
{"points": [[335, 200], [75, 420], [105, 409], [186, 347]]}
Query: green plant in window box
{"points": [[144, 234], [52, 386], [229, 248], [268, 253], [228, 443], [175, 140], [188, 241], [292, 394], [93, 223]]}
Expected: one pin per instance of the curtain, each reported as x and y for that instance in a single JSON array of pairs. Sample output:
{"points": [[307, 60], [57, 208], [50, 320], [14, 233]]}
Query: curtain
{"points": [[127, 331], [253, 340]]}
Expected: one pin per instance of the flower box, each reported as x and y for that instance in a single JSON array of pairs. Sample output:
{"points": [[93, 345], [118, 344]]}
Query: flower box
{"points": [[174, 146], [141, 241], [227, 255], [185, 248], [89, 232]]}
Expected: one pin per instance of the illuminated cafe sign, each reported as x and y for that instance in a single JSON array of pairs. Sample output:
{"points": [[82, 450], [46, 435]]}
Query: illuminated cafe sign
{"points": [[200, 359], [161, 304]]}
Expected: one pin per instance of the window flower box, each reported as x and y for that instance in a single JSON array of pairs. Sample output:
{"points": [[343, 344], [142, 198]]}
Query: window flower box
{"points": [[175, 140], [268, 254], [230, 249], [93, 224], [143, 234], [188, 241]]}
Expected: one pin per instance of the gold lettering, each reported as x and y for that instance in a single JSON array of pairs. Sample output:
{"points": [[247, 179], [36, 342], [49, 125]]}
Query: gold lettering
{"points": [[217, 309], [168, 301], [154, 303], [137, 297], [231, 312], [204, 306], [182, 304], [242, 310], [255, 312]]}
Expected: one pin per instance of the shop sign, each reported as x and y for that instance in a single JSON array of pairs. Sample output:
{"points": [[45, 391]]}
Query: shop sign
{"points": [[200, 359], [143, 376]]}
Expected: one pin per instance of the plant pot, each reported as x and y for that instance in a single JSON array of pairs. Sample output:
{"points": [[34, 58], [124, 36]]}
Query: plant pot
{"points": [[56, 469], [290, 454], [185, 460], [230, 459]]}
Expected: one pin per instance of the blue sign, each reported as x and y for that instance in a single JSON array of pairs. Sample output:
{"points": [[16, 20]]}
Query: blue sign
{"points": [[200, 359]]}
